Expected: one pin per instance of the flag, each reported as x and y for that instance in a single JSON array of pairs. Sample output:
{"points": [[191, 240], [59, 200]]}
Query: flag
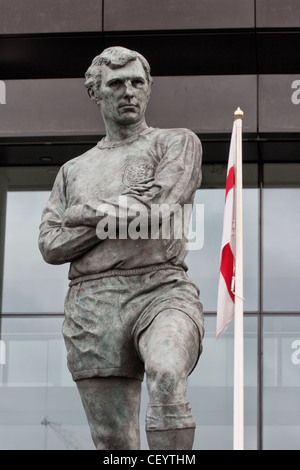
{"points": [[230, 295], [226, 298]]}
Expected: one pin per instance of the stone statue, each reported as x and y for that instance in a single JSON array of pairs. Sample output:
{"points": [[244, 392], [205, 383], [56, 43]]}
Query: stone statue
{"points": [[131, 308]]}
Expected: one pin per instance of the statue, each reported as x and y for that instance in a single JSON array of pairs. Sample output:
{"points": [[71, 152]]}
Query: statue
{"points": [[131, 309]]}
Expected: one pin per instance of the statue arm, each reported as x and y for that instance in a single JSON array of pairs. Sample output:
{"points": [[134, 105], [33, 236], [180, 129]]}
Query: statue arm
{"points": [[58, 243], [177, 177]]}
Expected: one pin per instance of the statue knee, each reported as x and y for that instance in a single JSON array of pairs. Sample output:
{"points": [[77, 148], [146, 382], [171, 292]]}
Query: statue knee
{"points": [[113, 439], [165, 384]]}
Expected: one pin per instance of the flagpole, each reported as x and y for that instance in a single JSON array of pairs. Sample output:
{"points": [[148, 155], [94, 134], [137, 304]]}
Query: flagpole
{"points": [[238, 400]]}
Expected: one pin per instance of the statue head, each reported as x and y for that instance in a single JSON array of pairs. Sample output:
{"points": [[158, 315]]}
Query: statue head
{"points": [[114, 58]]}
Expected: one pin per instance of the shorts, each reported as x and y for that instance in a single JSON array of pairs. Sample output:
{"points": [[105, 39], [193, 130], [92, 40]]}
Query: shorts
{"points": [[105, 317]]}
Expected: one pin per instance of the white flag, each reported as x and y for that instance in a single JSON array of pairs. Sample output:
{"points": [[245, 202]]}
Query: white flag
{"points": [[225, 308]]}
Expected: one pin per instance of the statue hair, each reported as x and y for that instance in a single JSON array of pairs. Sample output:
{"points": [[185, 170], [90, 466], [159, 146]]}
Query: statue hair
{"points": [[114, 58]]}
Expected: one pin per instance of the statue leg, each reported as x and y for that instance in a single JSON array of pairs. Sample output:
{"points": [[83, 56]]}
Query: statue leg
{"points": [[170, 349], [112, 407]]}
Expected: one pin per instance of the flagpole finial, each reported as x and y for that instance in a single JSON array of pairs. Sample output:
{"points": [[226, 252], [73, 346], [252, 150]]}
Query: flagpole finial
{"points": [[238, 113]]}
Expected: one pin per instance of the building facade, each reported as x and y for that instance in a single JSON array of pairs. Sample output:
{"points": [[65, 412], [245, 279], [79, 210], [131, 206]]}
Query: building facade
{"points": [[207, 57]]}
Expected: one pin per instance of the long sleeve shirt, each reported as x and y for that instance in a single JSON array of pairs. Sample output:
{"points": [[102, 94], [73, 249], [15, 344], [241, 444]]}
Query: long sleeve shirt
{"points": [[159, 167]]}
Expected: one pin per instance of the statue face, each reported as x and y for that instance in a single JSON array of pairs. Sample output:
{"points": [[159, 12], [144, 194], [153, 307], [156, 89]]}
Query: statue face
{"points": [[124, 93]]}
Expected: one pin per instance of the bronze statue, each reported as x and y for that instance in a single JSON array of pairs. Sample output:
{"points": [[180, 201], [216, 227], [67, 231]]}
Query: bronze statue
{"points": [[131, 308]]}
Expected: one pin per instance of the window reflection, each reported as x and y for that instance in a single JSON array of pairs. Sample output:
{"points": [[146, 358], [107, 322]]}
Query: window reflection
{"points": [[281, 369], [211, 387], [30, 285], [40, 407], [281, 249]]}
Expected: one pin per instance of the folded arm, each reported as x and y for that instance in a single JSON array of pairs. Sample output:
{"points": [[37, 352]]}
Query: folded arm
{"points": [[176, 178], [58, 243]]}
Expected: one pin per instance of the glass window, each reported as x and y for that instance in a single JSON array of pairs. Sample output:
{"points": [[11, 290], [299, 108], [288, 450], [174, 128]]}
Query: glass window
{"points": [[30, 285], [211, 387], [40, 407], [281, 379], [281, 241]]}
